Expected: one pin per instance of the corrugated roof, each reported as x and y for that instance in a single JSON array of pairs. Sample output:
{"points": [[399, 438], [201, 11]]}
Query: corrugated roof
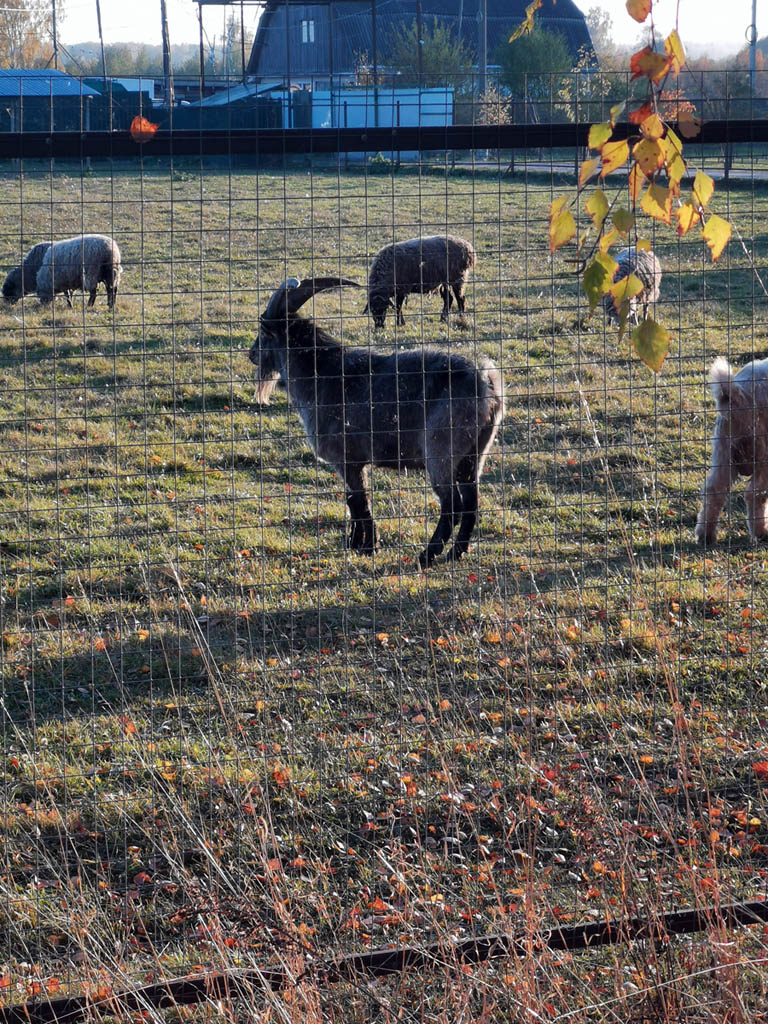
{"points": [[352, 29], [27, 82]]}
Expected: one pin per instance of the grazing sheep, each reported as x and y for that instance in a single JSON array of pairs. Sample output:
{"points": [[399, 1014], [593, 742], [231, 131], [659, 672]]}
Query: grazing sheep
{"points": [[426, 410], [739, 446], [80, 263], [22, 280], [644, 264], [437, 262]]}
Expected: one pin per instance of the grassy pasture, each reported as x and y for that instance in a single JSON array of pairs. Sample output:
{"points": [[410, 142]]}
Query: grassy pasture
{"points": [[228, 741]]}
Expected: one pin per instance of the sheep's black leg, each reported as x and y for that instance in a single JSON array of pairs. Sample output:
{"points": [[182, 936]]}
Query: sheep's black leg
{"points": [[450, 512], [459, 293], [68, 297], [91, 297], [111, 296], [362, 534], [445, 292]]}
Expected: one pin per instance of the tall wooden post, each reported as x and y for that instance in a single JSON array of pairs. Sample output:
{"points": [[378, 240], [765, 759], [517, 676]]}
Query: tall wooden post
{"points": [[55, 37], [167, 81]]}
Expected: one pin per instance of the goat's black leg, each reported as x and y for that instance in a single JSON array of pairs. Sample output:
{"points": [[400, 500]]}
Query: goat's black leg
{"points": [[469, 501], [450, 512], [362, 534], [91, 297], [399, 319], [68, 297], [458, 291]]}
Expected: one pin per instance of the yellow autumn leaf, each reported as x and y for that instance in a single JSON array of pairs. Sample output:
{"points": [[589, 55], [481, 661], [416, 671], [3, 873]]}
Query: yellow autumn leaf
{"points": [[597, 207], [614, 155], [616, 111], [703, 187], [639, 9], [673, 47], [525, 27], [716, 233], [643, 244], [686, 215], [675, 164], [623, 220], [599, 135], [635, 183], [652, 127], [586, 170], [598, 278], [649, 154], [607, 240], [625, 288], [562, 226], [657, 203], [651, 342], [647, 63]]}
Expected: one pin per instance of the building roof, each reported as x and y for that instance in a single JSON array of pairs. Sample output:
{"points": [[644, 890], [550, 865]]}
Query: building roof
{"points": [[27, 82], [278, 52]]}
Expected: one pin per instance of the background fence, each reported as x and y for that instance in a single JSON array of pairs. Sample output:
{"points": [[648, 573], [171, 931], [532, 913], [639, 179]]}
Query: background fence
{"points": [[229, 741]]}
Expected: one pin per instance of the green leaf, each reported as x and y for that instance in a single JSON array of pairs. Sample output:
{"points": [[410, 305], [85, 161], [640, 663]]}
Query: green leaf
{"points": [[598, 278], [599, 135], [597, 207], [651, 342], [623, 220]]}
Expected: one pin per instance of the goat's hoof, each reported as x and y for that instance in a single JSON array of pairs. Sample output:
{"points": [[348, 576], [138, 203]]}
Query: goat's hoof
{"points": [[707, 540], [425, 559], [456, 552]]}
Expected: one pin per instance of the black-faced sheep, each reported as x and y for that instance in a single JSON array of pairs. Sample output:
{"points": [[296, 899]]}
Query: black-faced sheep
{"points": [[420, 410], [739, 447], [80, 263], [435, 263], [22, 280], [644, 264]]}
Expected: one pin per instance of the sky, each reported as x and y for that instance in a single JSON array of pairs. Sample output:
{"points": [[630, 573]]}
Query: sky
{"points": [[721, 24]]}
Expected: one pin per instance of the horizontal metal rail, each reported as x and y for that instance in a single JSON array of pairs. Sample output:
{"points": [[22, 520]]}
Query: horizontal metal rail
{"points": [[76, 145], [381, 962]]}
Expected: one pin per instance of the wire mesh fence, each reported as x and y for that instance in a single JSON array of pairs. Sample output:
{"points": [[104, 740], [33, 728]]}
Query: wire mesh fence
{"points": [[231, 741]]}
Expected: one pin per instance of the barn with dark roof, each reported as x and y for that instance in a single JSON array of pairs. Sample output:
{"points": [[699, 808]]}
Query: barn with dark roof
{"points": [[299, 41]]}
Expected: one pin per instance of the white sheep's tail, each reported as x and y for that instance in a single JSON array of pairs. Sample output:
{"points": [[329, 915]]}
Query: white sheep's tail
{"points": [[721, 379]]}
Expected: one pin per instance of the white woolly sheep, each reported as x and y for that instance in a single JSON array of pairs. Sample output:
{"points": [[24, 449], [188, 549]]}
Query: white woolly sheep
{"points": [[22, 280], [739, 446], [644, 264], [80, 263], [421, 265]]}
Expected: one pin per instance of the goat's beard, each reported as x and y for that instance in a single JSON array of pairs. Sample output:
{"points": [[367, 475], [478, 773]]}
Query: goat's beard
{"points": [[265, 386]]}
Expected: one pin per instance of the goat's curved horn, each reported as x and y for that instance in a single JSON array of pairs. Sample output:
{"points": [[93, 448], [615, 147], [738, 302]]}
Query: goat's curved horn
{"points": [[276, 308], [301, 292]]}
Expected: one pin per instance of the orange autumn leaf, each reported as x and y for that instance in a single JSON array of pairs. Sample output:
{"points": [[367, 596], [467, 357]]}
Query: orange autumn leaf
{"points": [[760, 768], [641, 114], [638, 9], [142, 130], [647, 63], [688, 124]]}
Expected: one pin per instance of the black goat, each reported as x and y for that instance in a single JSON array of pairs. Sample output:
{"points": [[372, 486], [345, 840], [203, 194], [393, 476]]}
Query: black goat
{"points": [[424, 409]]}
